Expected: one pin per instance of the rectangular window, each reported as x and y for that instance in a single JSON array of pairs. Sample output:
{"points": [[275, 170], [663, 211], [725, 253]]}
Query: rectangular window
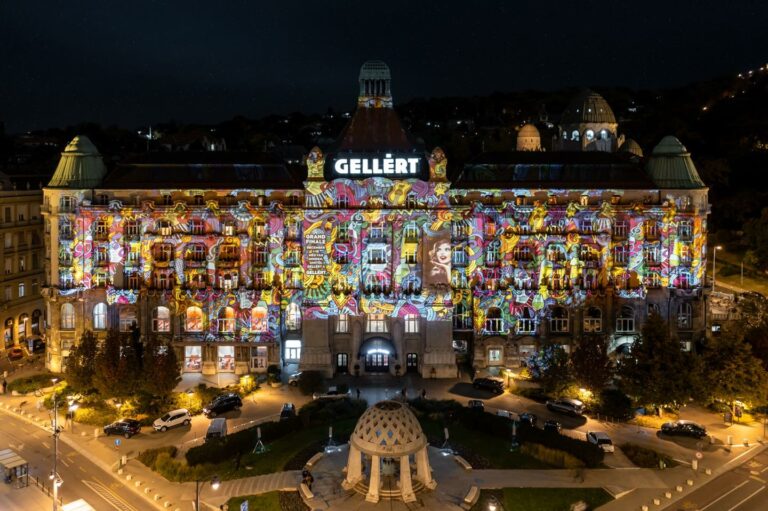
{"points": [[526, 326], [494, 324], [377, 256], [409, 254], [8, 294], [342, 324], [411, 233], [620, 255], [8, 215], [459, 256], [522, 253], [132, 280], [163, 252], [494, 355], [652, 255], [411, 324], [376, 233], [653, 280], [625, 325], [197, 227], [651, 229], [685, 230], [22, 290], [229, 253], [342, 234], [132, 228], [260, 231], [620, 229], [376, 323], [685, 254], [229, 229]]}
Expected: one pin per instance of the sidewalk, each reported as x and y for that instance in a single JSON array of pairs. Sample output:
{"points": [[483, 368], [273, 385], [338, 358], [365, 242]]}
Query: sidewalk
{"points": [[23, 499]]}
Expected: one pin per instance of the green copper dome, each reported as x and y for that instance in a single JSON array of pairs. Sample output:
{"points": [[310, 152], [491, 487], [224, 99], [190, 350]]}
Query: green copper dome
{"points": [[670, 166], [80, 166]]}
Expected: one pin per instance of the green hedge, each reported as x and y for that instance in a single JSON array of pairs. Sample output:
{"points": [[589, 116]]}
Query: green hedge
{"points": [[646, 458], [31, 383]]}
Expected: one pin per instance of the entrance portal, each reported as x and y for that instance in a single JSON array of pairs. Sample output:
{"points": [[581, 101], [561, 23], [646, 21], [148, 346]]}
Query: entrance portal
{"points": [[377, 361]]}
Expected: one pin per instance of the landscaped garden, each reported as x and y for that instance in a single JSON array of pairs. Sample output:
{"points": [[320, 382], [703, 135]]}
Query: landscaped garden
{"points": [[271, 501], [543, 499]]}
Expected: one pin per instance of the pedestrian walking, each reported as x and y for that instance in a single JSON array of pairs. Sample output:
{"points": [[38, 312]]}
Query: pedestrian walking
{"points": [[423, 393], [358, 393], [5, 385], [403, 392]]}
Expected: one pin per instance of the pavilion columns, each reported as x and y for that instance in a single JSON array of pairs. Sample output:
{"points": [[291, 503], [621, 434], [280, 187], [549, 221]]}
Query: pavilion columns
{"points": [[406, 488], [375, 481], [354, 468], [423, 470]]}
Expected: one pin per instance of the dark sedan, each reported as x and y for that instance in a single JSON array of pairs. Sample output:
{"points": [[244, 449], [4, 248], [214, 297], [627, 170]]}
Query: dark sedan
{"points": [[125, 427], [684, 428]]}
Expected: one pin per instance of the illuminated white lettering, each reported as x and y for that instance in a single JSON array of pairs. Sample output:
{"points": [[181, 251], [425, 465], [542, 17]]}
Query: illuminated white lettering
{"points": [[376, 169], [412, 165], [354, 165], [366, 168], [401, 166], [389, 165], [341, 166]]}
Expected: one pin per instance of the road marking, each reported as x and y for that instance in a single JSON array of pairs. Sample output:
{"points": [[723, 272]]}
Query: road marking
{"points": [[749, 497], [46, 445], [755, 478], [718, 499], [63, 462], [114, 500], [766, 468]]}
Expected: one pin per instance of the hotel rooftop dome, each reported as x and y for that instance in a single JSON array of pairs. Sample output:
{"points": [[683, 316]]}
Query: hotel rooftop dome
{"points": [[80, 166], [671, 166], [588, 107]]}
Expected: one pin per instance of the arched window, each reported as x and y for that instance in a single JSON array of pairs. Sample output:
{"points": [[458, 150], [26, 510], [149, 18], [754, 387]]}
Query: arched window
{"points": [[67, 316], [127, 318], [226, 320], [293, 317], [36, 321], [526, 323], [8, 332], [625, 321], [684, 316], [193, 320], [259, 319], [100, 316], [589, 135], [575, 135], [558, 323], [22, 326], [593, 321], [493, 321], [161, 320]]}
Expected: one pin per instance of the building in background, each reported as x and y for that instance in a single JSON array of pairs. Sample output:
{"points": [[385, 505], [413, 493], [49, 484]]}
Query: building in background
{"points": [[368, 258], [21, 256]]}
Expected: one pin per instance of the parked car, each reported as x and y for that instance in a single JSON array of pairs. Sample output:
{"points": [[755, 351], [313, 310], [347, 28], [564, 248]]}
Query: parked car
{"points": [[171, 419], [529, 419], [223, 403], [685, 428], [294, 379], [125, 427], [553, 426], [567, 406], [16, 353], [494, 386], [600, 439], [475, 404], [36, 345], [332, 393], [217, 429], [288, 411]]}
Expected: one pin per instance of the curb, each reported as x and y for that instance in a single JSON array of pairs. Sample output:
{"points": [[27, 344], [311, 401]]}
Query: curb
{"points": [[99, 463]]}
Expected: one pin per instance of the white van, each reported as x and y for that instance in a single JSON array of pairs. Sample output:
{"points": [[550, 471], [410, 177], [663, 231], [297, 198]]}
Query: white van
{"points": [[217, 429]]}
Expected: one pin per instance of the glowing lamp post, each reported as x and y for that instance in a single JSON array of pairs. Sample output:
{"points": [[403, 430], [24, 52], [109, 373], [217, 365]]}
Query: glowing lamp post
{"points": [[215, 483], [714, 258]]}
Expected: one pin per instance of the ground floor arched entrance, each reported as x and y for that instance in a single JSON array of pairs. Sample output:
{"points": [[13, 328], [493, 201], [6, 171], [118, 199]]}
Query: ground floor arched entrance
{"points": [[378, 354]]}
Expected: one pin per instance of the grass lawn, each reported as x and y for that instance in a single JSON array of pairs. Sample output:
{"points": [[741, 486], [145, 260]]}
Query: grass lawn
{"points": [[264, 502], [281, 451], [543, 499], [479, 450]]}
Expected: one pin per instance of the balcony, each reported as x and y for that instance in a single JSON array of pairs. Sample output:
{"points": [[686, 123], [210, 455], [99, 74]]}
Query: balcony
{"points": [[494, 325]]}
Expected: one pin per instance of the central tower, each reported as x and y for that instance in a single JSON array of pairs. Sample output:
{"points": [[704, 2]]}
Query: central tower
{"points": [[375, 85]]}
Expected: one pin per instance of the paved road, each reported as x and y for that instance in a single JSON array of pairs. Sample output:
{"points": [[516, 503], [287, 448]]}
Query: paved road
{"points": [[82, 479], [741, 489]]}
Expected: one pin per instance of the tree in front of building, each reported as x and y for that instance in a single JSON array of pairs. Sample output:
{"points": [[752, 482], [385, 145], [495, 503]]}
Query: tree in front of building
{"points": [[116, 368], [161, 369], [732, 372], [658, 371], [592, 367], [81, 365], [551, 368]]}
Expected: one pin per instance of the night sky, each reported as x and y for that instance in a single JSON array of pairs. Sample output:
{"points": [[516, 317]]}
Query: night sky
{"points": [[133, 63]]}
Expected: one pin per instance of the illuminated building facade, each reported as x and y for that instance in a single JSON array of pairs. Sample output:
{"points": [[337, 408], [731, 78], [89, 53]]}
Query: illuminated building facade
{"points": [[369, 259]]}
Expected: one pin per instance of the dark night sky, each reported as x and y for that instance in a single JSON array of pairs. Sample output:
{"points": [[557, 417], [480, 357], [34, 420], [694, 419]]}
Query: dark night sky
{"points": [[133, 63]]}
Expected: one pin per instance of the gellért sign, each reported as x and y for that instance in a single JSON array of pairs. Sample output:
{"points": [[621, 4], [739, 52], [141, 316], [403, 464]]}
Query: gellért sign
{"points": [[386, 166]]}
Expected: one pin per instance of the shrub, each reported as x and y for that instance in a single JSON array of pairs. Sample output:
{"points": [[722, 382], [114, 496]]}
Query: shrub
{"points": [[149, 457], [554, 457], [326, 411], [646, 458], [534, 393], [310, 381], [95, 415], [435, 408], [31, 383]]}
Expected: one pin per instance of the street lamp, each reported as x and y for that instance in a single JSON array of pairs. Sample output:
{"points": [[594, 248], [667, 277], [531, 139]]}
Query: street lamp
{"points": [[714, 258], [54, 473], [215, 483]]}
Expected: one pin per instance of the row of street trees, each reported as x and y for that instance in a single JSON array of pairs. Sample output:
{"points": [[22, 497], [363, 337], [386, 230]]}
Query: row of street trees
{"points": [[123, 367], [658, 371]]}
